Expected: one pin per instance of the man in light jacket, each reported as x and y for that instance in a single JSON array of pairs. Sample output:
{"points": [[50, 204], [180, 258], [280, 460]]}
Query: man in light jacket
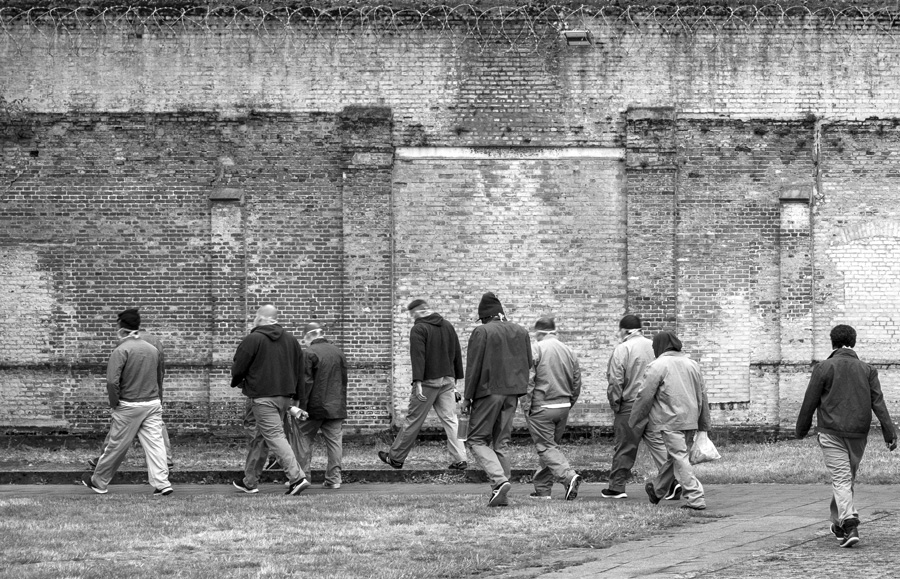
{"points": [[324, 400], [672, 396], [436, 358], [552, 390], [624, 371], [498, 362], [844, 391]]}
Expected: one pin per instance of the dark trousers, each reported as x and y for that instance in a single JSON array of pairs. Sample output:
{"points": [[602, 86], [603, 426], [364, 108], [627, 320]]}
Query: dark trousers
{"points": [[490, 429]]}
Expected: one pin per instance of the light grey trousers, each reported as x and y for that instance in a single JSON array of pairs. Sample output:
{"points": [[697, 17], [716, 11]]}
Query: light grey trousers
{"points": [[678, 467], [842, 458], [332, 434], [269, 414], [439, 395], [547, 426], [130, 419]]}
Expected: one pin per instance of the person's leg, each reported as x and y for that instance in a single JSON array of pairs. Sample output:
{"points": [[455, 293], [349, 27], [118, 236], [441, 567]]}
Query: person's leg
{"points": [[678, 444], [445, 408], [333, 434], [625, 452], [257, 451], [841, 464], [547, 425], [415, 417], [655, 446], [304, 436], [485, 412], [167, 444], [540, 431], [123, 427], [269, 414], [502, 432], [151, 437]]}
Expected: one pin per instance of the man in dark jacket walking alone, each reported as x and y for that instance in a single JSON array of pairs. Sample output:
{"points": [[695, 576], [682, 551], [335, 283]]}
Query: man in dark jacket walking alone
{"points": [[843, 391], [324, 400], [436, 366], [498, 363], [268, 366]]}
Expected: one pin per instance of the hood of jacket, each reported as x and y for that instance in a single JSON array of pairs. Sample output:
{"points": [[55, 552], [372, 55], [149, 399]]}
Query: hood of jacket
{"points": [[273, 332], [665, 342], [433, 319]]}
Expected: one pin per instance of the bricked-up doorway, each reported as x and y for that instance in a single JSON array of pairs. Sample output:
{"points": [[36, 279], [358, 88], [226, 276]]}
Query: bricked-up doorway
{"points": [[542, 228]]}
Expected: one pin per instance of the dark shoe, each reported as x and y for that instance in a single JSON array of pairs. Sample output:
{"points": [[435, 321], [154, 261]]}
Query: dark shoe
{"points": [[572, 487], [837, 531], [298, 487], [239, 485], [86, 481], [386, 459], [674, 493], [539, 496], [498, 495], [328, 485], [92, 462], [651, 493], [851, 533], [272, 464], [162, 492], [611, 494], [461, 465], [693, 508]]}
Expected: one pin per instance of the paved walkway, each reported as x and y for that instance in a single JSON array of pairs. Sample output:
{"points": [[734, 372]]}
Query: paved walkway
{"points": [[766, 531]]}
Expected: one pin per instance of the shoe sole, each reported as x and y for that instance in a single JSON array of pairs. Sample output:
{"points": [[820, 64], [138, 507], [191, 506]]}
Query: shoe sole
{"points": [[499, 499], [163, 493], [850, 542], [93, 488], [298, 489], [244, 489], [540, 498], [834, 532], [690, 508], [572, 489], [331, 487], [618, 496], [653, 498]]}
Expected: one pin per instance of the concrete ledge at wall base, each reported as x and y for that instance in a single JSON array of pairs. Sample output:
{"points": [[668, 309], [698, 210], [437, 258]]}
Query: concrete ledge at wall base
{"points": [[55, 477]]}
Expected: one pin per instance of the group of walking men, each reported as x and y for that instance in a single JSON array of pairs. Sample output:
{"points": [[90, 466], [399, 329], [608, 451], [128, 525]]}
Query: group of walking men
{"points": [[656, 392]]}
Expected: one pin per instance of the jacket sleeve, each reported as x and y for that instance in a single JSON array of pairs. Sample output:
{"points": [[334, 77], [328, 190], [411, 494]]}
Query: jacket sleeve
{"points": [[811, 401], [160, 370], [310, 366], [243, 357], [615, 376], [646, 393], [532, 374], [300, 387], [417, 338], [880, 408], [114, 375], [457, 356], [703, 422], [576, 379], [474, 361]]}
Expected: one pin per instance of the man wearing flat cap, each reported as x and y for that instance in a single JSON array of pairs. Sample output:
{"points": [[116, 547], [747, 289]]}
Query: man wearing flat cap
{"points": [[552, 390], [436, 358], [498, 363]]}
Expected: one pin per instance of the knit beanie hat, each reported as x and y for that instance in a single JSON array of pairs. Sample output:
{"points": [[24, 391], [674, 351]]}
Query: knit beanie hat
{"points": [[490, 306], [130, 319], [630, 322], [545, 324]]}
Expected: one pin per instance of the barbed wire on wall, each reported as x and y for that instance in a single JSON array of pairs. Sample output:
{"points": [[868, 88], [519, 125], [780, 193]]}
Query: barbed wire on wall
{"points": [[85, 29]]}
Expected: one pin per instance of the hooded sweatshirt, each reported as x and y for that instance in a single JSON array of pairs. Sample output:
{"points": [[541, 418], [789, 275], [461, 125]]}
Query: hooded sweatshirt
{"points": [[434, 349], [268, 362]]}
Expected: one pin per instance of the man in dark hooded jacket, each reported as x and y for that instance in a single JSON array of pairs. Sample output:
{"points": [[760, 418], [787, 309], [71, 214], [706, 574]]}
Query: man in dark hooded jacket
{"points": [[268, 366], [672, 396], [436, 366]]}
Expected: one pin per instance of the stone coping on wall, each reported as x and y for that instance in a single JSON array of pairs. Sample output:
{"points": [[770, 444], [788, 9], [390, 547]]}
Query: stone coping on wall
{"points": [[508, 153]]}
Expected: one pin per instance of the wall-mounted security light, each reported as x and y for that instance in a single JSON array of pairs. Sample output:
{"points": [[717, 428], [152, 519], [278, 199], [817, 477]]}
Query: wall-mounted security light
{"points": [[578, 37]]}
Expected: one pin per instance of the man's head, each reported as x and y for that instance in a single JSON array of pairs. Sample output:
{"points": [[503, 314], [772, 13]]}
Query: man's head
{"points": [[628, 324], [843, 336], [489, 307], [665, 341], [545, 326], [129, 319], [312, 331], [266, 315], [418, 309]]}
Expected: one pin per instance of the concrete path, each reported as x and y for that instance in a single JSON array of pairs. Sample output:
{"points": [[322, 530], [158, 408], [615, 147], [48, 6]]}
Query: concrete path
{"points": [[766, 531]]}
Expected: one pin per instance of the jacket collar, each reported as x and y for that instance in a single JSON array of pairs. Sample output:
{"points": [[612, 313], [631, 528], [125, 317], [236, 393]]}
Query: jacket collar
{"points": [[844, 352]]}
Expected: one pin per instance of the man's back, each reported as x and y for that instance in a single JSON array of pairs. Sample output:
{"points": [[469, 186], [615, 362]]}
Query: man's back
{"points": [[434, 349], [557, 375], [626, 367], [498, 360], [268, 362], [325, 390], [132, 370]]}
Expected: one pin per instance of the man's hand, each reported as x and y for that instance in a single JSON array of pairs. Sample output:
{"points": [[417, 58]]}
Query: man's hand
{"points": [[417, 391], [466, 407], [892, 445], [299, 413]]}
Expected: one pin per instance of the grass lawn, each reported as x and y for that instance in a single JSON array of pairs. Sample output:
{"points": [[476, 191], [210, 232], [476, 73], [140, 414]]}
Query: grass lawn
{"points": [[340, 536], [788, 461]]}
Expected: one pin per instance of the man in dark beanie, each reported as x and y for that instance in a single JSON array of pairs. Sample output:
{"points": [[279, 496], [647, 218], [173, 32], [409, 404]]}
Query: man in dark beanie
{"points": [[436, 358], [623, 374], [133, 382], [672, 399], [553, 389], [498, 363], [843, 392]]}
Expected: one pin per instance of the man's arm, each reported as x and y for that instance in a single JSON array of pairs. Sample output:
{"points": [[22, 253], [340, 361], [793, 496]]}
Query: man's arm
{"points": [[114, 375], [646, 393], [811, 401], [418, 336], [576, 379], [532, 375], [880, 409], [310, 367], [243, 357], [300, 386], [615, 377], [474, 361], [457, 356], [703, 423]]}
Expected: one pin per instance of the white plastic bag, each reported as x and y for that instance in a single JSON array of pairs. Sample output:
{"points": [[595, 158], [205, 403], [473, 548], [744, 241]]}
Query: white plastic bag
{"points": [[703, 449]]}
